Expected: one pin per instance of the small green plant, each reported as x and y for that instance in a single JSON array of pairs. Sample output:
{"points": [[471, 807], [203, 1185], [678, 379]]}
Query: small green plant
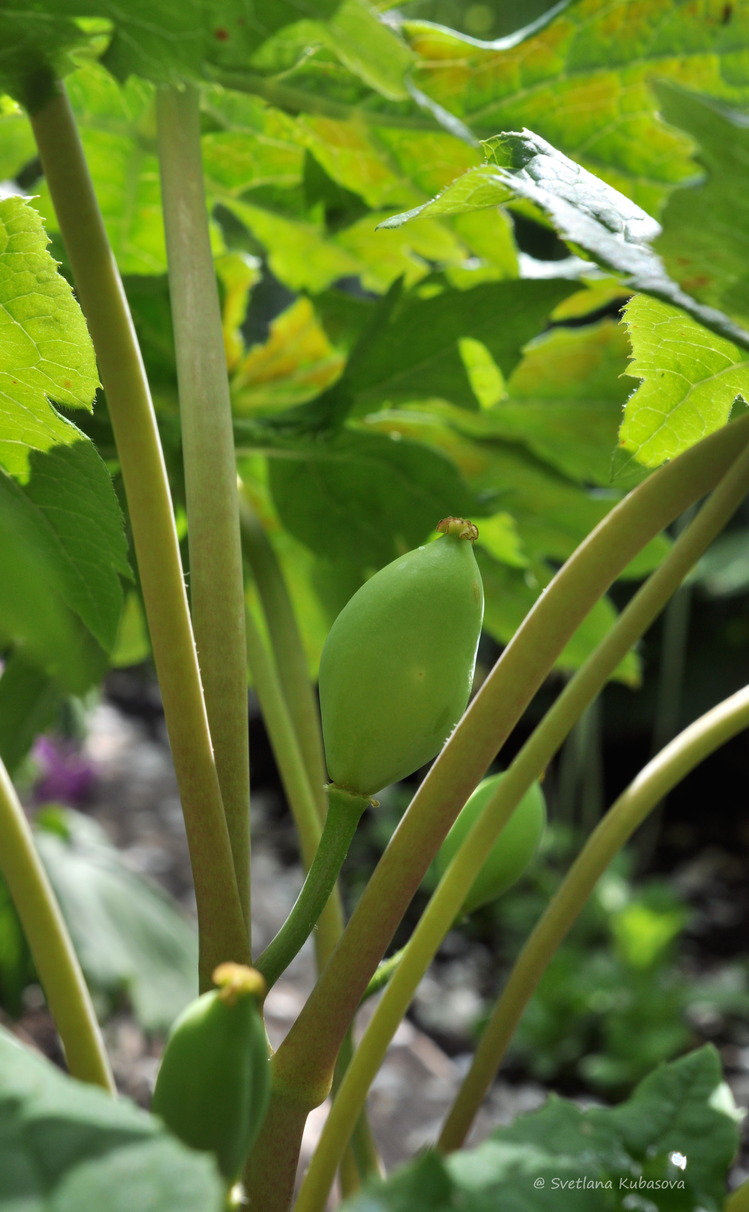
{"points": [[452, 349]]}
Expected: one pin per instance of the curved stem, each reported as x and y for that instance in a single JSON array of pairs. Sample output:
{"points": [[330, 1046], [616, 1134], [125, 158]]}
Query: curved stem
{"points": [[344, 812], [216, 581], [659, 777], [477, 739], [530, 762], [47, 935], [383, 974], [222, 932], [295, 779], [287, 650]]}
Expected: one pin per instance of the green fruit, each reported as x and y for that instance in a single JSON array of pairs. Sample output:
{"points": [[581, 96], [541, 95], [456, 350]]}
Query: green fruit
{"points": [[513, 850], [213, 1085], [397, 667]]}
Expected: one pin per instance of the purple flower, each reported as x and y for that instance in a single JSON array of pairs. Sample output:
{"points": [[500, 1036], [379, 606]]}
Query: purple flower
{"points": [[64, 775]]}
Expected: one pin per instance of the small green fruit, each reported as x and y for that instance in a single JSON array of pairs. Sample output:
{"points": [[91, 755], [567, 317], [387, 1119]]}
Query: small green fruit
{"points": [[397, 667], [213, 1085], [513, 850]]}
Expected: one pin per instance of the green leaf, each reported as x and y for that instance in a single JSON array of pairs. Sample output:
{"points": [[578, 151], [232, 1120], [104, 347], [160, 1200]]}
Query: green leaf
{"points": [[585, 211], [583, 81], [17, 146], [704, 243], [564, 399], [68, 1146], [363, 498], [29, 700], [129, 937], [45, 350], [37, 45], [416, 354], [552, 513], [369, 48], [511, 592], [668, 1147], [691, 379], [33, 612], [687, 1108], [165, 41], [60, 490]]}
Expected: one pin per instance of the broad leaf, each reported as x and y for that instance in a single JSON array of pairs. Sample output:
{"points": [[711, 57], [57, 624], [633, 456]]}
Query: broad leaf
{"points": [[691, 379], [668, 1147], [584, 81], [165, 41], [130, 938], [295, 363], [585, 211], [511, 592], [45, 349], [59, 484], [564, 400], [705, 240], [417, 355], [364, 499], [68, 1146], [33, 613]]}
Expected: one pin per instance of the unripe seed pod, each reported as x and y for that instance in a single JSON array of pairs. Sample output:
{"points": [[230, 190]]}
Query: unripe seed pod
{"points": [[397, 667], [513, 850], [213, 1085]]}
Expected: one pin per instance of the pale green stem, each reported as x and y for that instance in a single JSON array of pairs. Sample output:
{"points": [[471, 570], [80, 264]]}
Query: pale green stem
{"points": [[659, 777], [286, 742], [46, 933], [221, 927], [295, 779], [216, 581], [341, 821], [446, 902], [287, 650]]}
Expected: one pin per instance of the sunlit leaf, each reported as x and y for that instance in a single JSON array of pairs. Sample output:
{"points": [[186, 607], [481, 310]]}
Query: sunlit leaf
{"points": [[584, 81], [691, 379], [585, 211], [295, 363]]}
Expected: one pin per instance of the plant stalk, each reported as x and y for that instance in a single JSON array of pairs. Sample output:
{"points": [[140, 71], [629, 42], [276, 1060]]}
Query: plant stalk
{"points": [[296, 783], [222, 932], [216, 581], [344, 813], [288, 650], [47, 935], [659, 777]]}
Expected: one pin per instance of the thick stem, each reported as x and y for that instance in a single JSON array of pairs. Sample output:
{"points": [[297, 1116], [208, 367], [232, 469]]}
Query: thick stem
{"points": [[473, 746], [532, 759], [343, 815], [55, 960], [662, 774], [216, 582], [287, 650], [220, 919]]}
